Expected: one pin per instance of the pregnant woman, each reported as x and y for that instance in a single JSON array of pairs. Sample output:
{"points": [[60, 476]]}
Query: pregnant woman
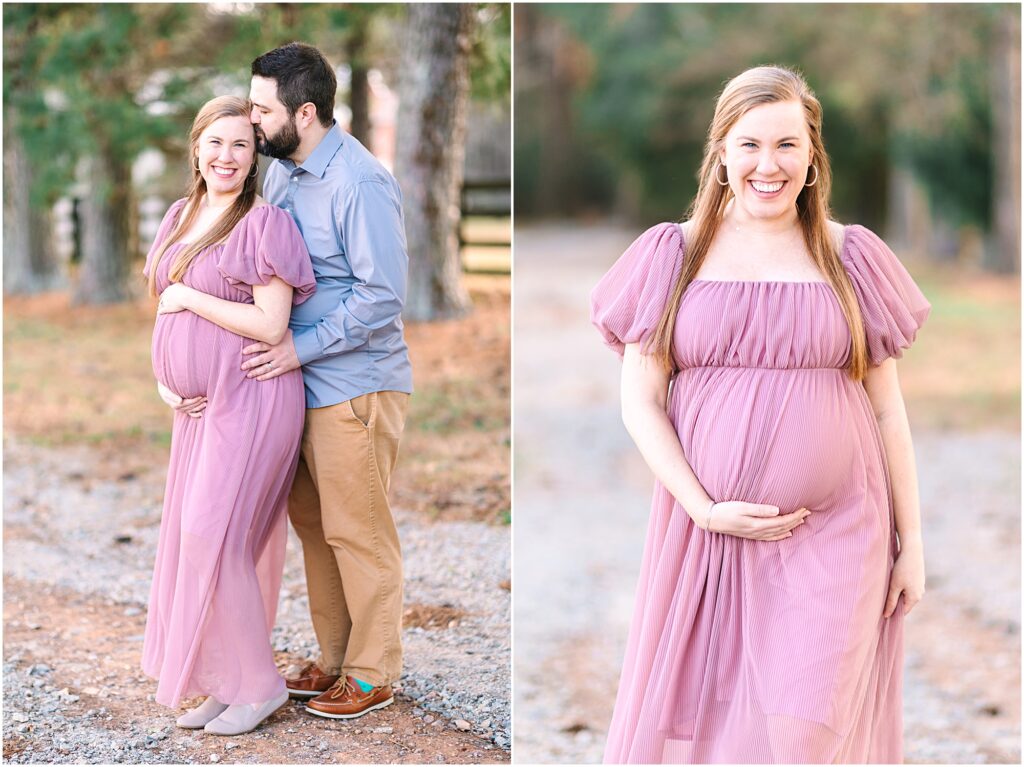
{"points": [[228, 268], [759, 384]]}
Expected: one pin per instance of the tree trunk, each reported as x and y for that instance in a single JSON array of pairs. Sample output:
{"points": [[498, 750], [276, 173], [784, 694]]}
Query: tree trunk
{"points": [[908, 220], [30, 264], [1005, 255], [359, 88], [545, 56], [105, 231], [433, 101]]}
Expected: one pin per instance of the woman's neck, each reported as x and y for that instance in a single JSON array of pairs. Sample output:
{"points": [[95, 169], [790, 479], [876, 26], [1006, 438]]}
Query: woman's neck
{"points": [[218, 201]]}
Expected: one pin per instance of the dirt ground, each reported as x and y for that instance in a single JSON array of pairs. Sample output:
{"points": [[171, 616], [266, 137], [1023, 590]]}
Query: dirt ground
{"points": [[582, 495], [85, 451], [95, 644]]}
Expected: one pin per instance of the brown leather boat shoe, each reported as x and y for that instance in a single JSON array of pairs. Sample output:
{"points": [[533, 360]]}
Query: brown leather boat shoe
{"points": [[310, 682], [345, 700]]}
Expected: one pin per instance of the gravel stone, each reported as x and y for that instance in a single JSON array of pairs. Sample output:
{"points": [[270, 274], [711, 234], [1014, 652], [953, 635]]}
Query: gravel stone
{"points": [[446, 563]]}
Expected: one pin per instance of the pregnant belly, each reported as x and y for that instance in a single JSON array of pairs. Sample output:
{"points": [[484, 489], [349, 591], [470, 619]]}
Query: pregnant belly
{"points": [[782, 437], [189, 353]]}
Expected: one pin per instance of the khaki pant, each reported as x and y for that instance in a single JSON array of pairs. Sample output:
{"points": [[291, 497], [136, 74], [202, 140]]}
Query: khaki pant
{"points": [[339, 507]]}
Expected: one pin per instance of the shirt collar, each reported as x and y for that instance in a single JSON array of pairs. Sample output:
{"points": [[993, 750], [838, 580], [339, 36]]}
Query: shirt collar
{"points": [[321, 157]]}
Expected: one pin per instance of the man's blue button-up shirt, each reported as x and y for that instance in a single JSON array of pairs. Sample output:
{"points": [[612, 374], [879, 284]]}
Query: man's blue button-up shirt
{"points": [[348, 336]]}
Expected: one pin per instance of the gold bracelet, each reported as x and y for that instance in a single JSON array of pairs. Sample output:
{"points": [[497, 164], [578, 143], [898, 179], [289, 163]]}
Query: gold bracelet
{"points": [[711, 507]]}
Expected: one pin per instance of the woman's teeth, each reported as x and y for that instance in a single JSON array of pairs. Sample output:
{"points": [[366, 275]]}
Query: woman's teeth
{"points": [[225, 172], [767, 188]]}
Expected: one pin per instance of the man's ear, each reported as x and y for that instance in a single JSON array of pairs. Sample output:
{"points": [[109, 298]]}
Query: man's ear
{"points": [[307, 114]]}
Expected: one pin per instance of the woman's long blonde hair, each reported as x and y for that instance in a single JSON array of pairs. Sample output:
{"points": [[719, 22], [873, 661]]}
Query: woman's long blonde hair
{"points": [[764, 85], [213, 110]]}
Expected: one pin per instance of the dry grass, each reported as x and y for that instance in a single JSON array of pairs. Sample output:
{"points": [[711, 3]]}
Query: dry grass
{"points": [[76, 375], [432, 616], [964, 371]]}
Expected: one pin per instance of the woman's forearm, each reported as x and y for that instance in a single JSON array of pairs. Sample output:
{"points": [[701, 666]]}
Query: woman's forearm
{"points": [[247, 320], [899, 452], [652, 431], [883, 389]]}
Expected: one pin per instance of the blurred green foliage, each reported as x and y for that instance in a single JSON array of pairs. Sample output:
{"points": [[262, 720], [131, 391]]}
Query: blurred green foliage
{"points": [[115, 79], [613, 102]]}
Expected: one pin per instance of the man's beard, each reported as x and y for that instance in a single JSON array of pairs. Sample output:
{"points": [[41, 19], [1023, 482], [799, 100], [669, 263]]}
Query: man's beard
{"points": [[283, 145]]}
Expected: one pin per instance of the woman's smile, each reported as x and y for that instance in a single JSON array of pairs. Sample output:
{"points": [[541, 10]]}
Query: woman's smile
{"points": [[767, 190]]}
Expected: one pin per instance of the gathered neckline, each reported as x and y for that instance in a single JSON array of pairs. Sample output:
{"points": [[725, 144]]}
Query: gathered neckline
{"points": [[759, 282]]}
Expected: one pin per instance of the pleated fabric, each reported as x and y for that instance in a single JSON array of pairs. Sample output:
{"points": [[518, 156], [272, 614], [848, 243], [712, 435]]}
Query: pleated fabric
{"points": [[746, 651], [220, 557]]}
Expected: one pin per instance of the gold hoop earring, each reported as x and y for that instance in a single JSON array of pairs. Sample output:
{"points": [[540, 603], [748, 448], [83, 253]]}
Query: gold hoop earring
{"points": [[815, 168], [718, 178], [255, 170]]}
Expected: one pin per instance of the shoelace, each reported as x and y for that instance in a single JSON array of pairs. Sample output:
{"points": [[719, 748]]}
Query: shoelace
{"points": [[341, 688]]}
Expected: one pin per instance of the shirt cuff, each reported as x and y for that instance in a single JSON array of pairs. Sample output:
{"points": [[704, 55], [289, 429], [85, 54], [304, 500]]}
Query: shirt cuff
{"points": [[307, 345]]}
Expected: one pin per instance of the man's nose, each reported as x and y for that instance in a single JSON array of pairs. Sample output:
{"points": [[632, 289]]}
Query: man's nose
{"points": [[254, 116]]}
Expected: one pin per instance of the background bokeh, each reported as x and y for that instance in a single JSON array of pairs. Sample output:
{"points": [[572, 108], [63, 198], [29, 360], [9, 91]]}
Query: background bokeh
{"points": [[921, 103], [922, 121]]}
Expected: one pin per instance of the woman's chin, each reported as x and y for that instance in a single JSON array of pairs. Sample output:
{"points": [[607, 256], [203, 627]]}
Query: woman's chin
{"points": [[768, 210], [220, 187]]}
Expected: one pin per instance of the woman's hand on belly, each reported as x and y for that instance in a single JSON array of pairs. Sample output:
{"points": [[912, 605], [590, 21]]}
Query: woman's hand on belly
{"points": [[756, 521], [173, 298], [192, 407]]}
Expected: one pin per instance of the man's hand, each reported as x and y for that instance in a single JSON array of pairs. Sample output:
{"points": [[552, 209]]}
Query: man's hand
{"points": [[271, 361]]}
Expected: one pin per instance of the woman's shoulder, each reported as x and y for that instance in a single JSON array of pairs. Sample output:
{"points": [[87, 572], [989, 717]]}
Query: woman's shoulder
{"points": [[176, 208], [838, 233], [266, 226], [260, 208], [672, 233], [661, 243], [852, 240], [857, 243], [265, 214]]}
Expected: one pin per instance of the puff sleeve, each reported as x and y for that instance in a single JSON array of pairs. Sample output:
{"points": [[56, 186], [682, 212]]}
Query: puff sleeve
{"points": [[893, 306], [170, 219], [629, 300], [266, 244]]}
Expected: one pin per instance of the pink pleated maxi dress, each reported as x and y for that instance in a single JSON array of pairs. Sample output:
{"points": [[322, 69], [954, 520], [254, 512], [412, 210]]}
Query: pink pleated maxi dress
{"points": [[752, 651], [220, 557]]}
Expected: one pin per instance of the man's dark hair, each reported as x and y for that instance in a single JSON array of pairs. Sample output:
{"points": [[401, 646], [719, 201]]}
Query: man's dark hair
{"points": [[302, 74]]}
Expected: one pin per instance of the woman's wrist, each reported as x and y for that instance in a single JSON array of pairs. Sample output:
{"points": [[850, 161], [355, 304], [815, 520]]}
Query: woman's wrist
{"points": [[700, 510], [910, 539]]}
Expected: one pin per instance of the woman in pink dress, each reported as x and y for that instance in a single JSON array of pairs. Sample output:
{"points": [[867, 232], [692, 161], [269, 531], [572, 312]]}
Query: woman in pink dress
{"points": [[759, 383], [228, 268]]}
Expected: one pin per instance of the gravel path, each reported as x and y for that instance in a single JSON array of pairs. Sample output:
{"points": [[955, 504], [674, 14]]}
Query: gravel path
{"points": [[582, 496], [80, 532]]}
